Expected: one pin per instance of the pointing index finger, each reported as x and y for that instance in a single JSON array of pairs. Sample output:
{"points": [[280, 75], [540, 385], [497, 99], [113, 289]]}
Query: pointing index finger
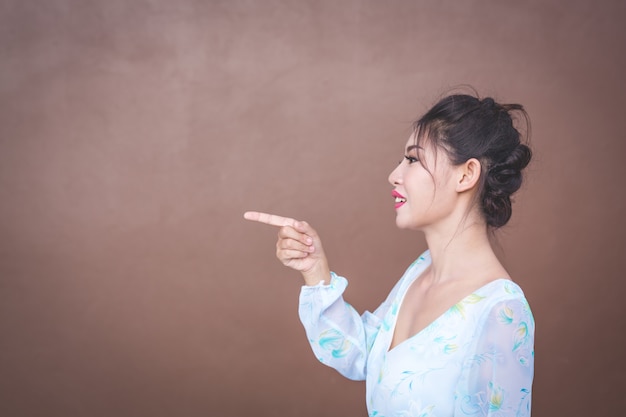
{"points": [[271, 219]]}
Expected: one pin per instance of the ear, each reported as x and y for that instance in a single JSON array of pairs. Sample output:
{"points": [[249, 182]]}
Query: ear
{"points": [[469, 174]]}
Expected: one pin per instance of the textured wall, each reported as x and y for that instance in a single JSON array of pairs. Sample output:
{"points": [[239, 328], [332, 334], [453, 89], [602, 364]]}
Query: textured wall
{"points": [[134, 134]]}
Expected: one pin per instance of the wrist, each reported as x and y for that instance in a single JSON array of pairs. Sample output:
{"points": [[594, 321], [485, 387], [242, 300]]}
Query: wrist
{"points": [[316, 275]]}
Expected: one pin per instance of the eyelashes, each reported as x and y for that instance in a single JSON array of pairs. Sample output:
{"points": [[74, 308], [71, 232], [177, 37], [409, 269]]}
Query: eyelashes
{"points": [[409, 158]]}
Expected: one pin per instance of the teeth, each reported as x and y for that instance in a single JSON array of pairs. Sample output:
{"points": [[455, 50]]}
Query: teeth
{"points": [[400, 200]]}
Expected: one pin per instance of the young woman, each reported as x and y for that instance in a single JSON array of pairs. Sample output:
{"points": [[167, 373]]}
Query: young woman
{"points": [[455, 335]]}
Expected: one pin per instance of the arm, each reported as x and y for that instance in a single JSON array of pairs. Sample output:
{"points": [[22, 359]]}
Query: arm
{"points": [[497, 375], [339, 336]]}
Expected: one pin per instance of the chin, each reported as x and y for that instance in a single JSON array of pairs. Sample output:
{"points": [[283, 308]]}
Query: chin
{"points": [[408, 223], [403, 224]]}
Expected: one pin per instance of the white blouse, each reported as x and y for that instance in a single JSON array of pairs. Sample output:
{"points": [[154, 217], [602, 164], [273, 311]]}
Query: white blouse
{"points": [[476, 359]]}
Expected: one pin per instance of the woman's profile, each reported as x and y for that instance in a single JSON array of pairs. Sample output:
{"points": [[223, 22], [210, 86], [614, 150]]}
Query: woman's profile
{"points": [[455, 336]]}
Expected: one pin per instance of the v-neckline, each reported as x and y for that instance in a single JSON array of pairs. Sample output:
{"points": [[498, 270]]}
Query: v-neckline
{"points": [[409, 283]]}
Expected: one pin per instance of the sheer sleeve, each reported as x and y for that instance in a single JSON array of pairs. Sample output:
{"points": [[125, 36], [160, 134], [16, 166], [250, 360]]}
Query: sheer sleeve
{"points": [[497, 376], [339, 336]]}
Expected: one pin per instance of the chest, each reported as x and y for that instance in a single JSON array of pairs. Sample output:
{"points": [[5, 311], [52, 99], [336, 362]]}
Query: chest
{"points": [[422, 371], [421, 306]]}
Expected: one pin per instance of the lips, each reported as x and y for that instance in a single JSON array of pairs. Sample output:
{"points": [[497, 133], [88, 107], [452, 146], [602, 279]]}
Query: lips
{"points": [[399, 198]]}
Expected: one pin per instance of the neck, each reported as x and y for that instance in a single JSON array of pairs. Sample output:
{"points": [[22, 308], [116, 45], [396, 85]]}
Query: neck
{"points": [[462, 251]]}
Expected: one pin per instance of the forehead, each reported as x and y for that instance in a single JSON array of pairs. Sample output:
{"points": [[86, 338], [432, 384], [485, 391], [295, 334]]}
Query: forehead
{"points": [[426, 151], [415, 144]]}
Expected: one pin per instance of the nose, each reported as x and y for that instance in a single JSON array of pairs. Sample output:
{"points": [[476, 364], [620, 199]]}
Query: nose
{"points": [[395, 176]]}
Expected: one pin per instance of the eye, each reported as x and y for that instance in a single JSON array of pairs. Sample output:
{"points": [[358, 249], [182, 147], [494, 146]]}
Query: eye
{"points": [[411, 159]]}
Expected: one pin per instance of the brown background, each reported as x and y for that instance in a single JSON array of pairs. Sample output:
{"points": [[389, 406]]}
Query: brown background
{"points": [[134, 134]]}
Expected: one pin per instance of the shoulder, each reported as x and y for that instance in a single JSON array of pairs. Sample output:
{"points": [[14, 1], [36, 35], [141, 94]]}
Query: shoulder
{"points": [[418, 265], [500, 303], [421, 262], [506, 310], [414, 270], [505, 292], [500, 290]]}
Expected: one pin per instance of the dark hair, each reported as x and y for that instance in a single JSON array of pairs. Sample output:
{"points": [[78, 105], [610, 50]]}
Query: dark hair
{"points": [[469, 127]]}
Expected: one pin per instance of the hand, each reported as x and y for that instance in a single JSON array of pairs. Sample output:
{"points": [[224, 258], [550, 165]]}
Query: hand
{"points": [[298, 247]]}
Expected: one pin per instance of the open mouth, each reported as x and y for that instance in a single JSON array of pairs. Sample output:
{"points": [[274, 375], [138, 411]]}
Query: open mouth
{"points": [[399, 199]]}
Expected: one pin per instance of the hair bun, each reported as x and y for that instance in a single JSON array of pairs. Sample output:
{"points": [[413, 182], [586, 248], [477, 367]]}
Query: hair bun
{"points": [[502, 180], [488, 102]]}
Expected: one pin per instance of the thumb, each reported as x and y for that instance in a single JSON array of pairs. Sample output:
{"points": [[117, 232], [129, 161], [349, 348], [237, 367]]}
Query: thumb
{"points": [[303, 227]]}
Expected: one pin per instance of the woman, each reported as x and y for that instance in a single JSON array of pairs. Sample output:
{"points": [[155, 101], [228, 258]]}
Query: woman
{"points": [[455, 335]]}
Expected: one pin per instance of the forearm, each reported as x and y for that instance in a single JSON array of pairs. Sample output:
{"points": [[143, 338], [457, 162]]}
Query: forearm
{"points": [[336, 332]]}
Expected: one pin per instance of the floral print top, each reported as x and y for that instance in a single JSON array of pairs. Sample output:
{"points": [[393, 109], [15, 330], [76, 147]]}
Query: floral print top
{"points": [[476, 359]]}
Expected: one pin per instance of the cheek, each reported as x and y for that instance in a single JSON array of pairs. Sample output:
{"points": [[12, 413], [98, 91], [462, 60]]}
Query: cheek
{"points": [[420, 185]]}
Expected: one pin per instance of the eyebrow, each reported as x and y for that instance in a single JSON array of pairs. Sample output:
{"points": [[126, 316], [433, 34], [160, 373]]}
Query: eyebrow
{"points": [[410, 148]]}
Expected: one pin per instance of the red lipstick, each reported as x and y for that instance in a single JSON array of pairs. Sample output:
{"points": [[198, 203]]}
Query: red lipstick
{"points": [[400, 199]]}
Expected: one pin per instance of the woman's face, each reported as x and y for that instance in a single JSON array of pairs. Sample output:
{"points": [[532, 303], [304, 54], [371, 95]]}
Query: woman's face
{"points": [[424, 188]]}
